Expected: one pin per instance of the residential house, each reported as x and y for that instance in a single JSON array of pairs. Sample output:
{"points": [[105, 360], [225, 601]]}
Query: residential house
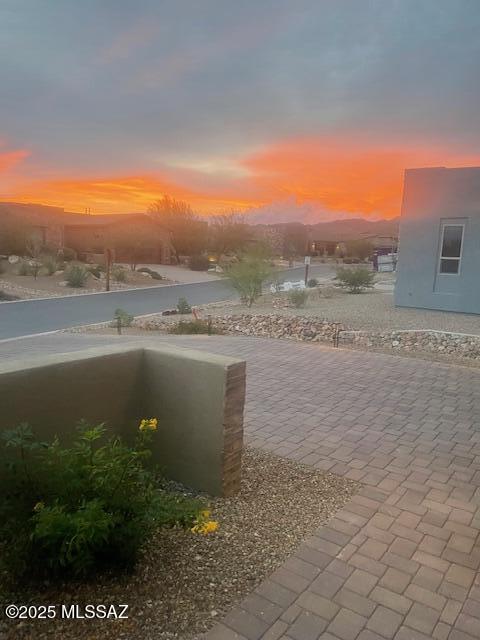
{"points": [[90, 235], [439, 248]]}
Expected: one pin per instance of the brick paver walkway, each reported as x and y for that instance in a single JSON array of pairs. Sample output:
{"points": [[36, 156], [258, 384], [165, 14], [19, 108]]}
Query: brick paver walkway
{"points": [[400, 560]]}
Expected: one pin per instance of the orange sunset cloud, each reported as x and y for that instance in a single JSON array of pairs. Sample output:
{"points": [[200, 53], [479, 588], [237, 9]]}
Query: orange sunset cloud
{"points": [[339, 174], [8, 159]]}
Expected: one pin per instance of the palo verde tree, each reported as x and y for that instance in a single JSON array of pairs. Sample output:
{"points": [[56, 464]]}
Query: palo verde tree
{"points": [[249, 274]]}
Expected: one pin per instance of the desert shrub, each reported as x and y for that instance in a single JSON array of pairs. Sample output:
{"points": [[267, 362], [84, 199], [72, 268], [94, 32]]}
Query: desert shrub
{"points": [[5, 297], [355, 280], [198, 263], [194, 327], [121, 319], [49, 265], [119, 274], [24, 268], [298, 297], [95, 269], [74, 510], [154, 274], [67, 254], [183, 306], [248, 277], [313, 282], [76, 276]]}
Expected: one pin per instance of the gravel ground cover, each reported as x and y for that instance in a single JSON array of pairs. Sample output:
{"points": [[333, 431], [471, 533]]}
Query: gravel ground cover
{"points": [[26, 287], [372, 310], [185, 582], [369, 311]]}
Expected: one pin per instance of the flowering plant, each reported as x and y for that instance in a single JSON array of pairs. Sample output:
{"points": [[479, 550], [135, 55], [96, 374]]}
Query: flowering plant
{"points": [[77, 509]]}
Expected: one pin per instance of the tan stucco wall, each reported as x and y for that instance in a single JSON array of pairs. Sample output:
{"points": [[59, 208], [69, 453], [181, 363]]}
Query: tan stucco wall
{"points": [[197, 397]]}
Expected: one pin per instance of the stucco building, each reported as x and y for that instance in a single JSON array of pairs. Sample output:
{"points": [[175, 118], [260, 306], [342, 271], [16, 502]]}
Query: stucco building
{"points": [[439, 248], [90, 235]]}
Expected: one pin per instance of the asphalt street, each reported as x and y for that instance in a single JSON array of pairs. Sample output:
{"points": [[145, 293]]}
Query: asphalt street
{"points": [[28, 317]]}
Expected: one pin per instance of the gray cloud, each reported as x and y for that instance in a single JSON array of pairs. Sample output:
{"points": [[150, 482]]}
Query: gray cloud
{"points": [[117, 85]]}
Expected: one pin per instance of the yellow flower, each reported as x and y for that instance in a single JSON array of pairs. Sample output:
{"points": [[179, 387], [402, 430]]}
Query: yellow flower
{"points": [[148, 424], [205, 527], [39, 506]]}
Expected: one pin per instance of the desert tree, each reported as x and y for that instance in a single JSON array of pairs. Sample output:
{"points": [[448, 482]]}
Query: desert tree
{"points": [[188, 232], [229, 233]]}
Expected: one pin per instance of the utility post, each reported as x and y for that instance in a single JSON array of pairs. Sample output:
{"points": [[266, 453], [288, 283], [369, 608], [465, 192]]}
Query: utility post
{"points": [[307, 267], [108, 267]]}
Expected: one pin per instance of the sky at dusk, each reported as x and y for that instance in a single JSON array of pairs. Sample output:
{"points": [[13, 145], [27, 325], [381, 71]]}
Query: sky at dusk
{"points": [[290, 108]]}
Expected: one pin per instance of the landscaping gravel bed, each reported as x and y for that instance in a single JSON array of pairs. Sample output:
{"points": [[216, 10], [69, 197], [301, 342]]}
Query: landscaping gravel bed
{"points": [[185, 582], [371, 311]]}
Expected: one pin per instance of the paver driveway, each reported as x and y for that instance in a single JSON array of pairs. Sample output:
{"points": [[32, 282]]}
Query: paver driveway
{"points": [[400, 560]]}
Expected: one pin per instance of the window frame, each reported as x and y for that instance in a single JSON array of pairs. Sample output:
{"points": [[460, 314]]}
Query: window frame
{"points": [[449, 258]]}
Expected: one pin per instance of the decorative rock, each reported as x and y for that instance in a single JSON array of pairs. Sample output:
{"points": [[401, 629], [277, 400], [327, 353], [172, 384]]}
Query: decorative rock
{"points": [[314, 329]]}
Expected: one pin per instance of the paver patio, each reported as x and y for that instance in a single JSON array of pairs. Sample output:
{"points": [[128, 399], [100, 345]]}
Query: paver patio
{"points": [[401, 559]]}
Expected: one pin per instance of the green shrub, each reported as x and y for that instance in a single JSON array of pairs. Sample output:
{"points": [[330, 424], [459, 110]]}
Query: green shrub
{"points": [[49, 265], [355, 280], [298, 297], [154, 274], [76, 276], [313, 282], [121, 319], [183, 306], [119, 274], [72, 511], [198, 263], [24, 268], [194, 327]]}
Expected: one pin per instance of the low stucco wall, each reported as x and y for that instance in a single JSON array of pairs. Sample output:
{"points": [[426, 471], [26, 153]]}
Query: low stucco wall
{"points": [[197, 397]]}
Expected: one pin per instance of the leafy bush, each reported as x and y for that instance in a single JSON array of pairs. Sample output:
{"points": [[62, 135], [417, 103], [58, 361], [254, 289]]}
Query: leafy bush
{"points": [[248, 277], [313, 282], [198, 263], [71, 511], [119, 274], [154, 274], [183, 306], [121, 319], [194, 327], [355, 280], [298, 297], [76, 276]]}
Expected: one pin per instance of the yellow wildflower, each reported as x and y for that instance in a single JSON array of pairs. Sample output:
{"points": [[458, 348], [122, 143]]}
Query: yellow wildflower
{"points": [[205, 527], [148, 424], [39, 506]]}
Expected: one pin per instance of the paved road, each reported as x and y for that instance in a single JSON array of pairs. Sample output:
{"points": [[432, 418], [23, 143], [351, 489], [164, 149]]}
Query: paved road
{"points": [[401, 560], [29, 317]]}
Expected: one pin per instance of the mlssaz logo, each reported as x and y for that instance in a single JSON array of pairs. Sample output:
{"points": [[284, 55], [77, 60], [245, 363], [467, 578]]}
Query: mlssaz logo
{"points": [[94, 611]]}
